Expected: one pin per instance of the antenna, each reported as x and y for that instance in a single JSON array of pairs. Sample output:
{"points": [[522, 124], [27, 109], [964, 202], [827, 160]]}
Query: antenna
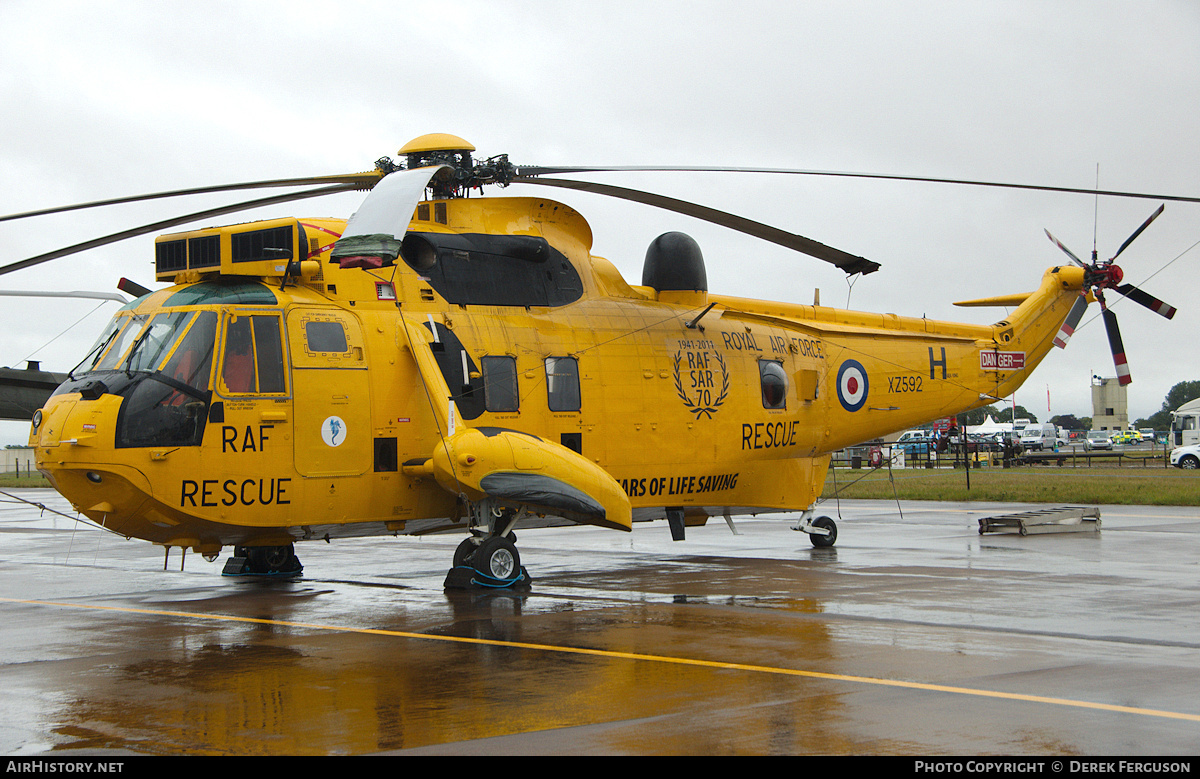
{"points": [[1096, 213]]}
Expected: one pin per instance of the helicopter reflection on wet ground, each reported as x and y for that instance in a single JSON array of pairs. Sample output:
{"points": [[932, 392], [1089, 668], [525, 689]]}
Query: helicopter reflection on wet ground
{"points": [[914, 635]]}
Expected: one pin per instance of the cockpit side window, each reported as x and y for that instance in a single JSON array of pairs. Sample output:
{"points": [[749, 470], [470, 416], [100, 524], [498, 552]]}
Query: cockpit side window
{"points": [[237, 369], [270, 354], [252, 360]]}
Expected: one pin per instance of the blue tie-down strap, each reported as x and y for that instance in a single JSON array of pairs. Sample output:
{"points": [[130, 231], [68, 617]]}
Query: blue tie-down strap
{"points": [[464, 577]]}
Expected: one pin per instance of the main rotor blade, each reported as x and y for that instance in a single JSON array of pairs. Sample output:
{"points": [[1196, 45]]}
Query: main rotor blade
{"points": [[1118, 348], [1072, 321], [79, 293], [363, 180], [535, 170], [849, 263], [179, 220], [1147, 300], [1138, 231], [1059, 244]]}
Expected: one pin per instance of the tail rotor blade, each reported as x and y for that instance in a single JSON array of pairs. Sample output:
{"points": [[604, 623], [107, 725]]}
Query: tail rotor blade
{"points": [[1118, 348], [1147, 300], [1072, 321], [1138, 231], [1059, 244]]}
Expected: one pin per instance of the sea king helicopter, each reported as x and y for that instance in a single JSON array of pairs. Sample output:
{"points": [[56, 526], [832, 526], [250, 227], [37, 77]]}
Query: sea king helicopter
{"points": [[441, 363]]}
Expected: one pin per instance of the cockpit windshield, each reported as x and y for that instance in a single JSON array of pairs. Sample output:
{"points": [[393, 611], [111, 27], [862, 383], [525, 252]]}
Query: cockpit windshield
{"points": [[135, 343], [162, 366], [155, 340], [111, 344]]}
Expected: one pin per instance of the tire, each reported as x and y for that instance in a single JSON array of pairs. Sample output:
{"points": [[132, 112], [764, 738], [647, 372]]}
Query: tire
{"points": [[272, 559], [1189, 462], [497, 558], [821, 541], [462, 554]]}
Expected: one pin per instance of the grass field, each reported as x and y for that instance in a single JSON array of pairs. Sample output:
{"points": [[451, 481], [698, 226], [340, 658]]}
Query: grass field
{"points": [[1038, 484], [10, 481]]}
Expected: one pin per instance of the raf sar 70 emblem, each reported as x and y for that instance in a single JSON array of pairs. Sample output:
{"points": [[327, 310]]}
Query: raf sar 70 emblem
{"points": [[696, 380]]}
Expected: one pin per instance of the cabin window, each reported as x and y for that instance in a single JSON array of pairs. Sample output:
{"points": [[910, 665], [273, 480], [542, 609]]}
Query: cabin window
{"points": [[253, 355], [774, 384], [325, 337], [492, 270], [500, 384], [562, 383]]}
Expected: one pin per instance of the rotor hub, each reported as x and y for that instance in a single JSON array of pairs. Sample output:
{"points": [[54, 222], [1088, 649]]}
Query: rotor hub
{"points": [[1108, 276], [461, 173]]}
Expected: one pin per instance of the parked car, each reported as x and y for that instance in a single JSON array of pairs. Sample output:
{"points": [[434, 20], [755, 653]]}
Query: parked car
{"points": [[1126, 437], [1187, 457], [915, 442], [1098, 439]]}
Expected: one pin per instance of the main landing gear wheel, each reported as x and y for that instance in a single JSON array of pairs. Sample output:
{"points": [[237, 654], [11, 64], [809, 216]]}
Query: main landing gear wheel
{"points": [[488, 558], [820, 540], [492, 562], [497, 558], [263, 561], [465, 550]]}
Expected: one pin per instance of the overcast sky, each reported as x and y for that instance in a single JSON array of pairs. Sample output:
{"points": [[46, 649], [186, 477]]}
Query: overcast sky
{"points": [[114, 98]]}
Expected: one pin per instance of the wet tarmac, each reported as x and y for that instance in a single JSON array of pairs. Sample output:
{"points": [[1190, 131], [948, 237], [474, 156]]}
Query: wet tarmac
{"points": [[914, 635]]}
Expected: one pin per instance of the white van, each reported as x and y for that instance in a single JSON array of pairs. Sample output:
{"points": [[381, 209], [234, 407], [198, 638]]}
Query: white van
{"points": [[1185, 425], [1038, 436]]}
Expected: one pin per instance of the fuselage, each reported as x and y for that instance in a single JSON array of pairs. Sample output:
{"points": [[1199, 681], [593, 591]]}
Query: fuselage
{"points": [[244, 409]]}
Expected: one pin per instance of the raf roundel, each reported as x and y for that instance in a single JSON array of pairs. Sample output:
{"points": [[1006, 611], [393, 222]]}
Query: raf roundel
{"points": [[852, 385]]}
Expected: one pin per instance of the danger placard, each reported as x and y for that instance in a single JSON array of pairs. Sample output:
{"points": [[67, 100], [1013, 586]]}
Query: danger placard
{"points": [[1002, 361]]}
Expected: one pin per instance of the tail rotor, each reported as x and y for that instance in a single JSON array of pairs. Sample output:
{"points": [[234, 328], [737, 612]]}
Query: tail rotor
{"points": [[1101, 275]]}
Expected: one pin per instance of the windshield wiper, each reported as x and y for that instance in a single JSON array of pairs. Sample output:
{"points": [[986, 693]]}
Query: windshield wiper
{"points": [[99, 349]]}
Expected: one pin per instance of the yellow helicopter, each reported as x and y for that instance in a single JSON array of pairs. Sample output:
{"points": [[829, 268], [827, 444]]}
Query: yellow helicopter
{"points": [[466, 364]]}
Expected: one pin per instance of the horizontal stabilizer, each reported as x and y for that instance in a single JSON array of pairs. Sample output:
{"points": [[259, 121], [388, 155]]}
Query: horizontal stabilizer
{"points": [[1010, 301]]}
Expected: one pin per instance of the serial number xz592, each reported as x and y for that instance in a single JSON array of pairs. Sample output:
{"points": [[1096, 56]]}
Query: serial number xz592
{"points": [[899, 384]]}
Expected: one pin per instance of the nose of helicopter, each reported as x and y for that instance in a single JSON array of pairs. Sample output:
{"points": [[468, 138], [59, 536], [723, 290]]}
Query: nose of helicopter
{"points": [[73, 447]]}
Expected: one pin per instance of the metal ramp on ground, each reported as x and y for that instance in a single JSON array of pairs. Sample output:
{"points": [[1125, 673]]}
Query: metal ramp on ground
{"points": [[1064, 519]]}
